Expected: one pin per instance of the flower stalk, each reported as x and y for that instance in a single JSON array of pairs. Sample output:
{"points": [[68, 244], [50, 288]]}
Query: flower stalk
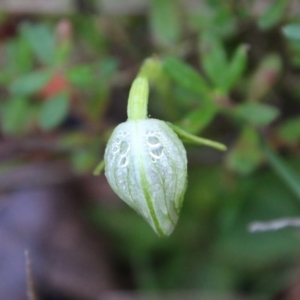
{"points": [[137, 108]]}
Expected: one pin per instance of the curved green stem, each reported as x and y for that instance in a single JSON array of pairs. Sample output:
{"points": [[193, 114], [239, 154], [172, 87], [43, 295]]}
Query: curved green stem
{"points": [[185, 136]]}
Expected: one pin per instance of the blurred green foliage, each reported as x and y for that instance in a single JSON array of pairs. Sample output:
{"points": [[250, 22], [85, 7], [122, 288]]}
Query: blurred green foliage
{"points": [[228, 70]]}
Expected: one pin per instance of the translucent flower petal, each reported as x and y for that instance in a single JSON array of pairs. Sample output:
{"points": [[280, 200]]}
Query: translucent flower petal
{"points": [[146, 166]]}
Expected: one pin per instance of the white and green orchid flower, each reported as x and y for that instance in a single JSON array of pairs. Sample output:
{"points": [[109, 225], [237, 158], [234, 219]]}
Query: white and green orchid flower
{"points": [[146, 163]]}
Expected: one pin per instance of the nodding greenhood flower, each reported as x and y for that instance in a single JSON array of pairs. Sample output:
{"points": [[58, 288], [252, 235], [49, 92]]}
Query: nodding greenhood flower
{"points": [[146, 164]]}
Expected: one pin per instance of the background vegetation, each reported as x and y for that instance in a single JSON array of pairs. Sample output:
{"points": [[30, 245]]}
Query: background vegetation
{"points": [[229, 72]]}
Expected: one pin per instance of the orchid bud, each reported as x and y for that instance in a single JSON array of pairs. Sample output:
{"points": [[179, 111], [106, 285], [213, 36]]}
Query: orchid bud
{"points": [[146, 164]]}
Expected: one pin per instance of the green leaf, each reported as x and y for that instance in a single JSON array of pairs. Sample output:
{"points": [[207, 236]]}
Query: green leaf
{"points": [[218, 17], [235, 68], [185, 76], [199, 118], [18, 56], [256, 113], [292, 31], [273, 15], [213, 57], [246, 154], [165, 22], [108, 67], [42, 41], [287, 175], [290, 130], [84, 160], [30, 83], [53, 111], [94, 36], [81, 75], [264, 77], [15, 116]]}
